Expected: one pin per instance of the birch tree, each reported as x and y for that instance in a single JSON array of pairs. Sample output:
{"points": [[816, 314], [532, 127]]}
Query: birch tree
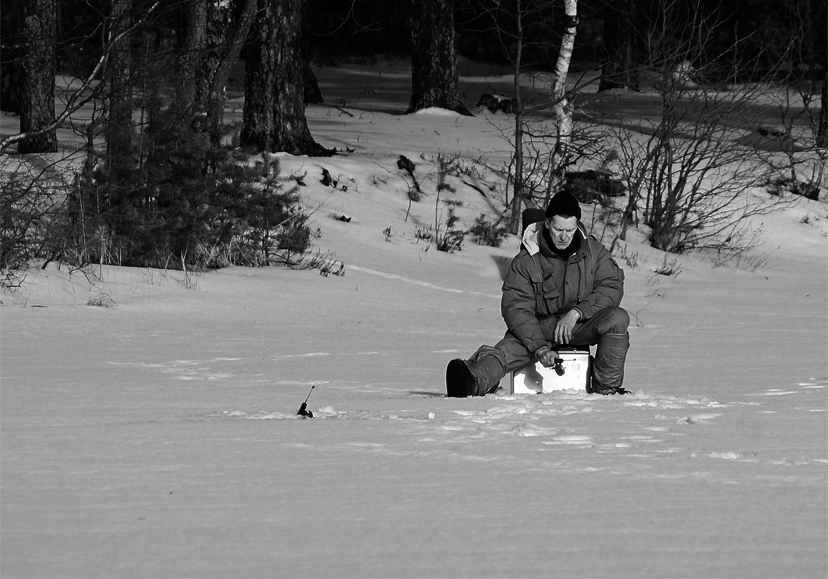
{"points": [[544, 145], [517, 197], [561, 104]]}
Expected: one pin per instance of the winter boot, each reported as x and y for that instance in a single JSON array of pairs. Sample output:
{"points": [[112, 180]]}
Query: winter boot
{"points": [[460, 382], [608, 365], [476, 377]]}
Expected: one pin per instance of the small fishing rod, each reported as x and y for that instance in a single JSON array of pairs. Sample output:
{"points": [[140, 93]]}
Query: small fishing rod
{"points": [[303, 409]]}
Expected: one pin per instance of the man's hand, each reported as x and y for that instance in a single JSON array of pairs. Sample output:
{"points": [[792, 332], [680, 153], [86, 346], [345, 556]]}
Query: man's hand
{"points": [[563, 330], [547, 357]]}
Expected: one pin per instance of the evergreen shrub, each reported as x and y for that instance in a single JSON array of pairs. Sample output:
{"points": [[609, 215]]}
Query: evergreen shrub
{"points": [[179, 200], [189, 201]]}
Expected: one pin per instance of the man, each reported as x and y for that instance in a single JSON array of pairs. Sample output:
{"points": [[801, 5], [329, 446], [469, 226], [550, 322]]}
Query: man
{"points": [[562, 288]]}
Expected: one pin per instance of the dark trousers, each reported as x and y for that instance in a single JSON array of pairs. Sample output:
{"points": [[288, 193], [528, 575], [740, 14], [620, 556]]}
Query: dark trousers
{"points": [[606, 328]]}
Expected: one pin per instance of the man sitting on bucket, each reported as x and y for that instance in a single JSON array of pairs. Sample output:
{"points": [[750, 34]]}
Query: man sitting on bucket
{"points": [[562, 288]]}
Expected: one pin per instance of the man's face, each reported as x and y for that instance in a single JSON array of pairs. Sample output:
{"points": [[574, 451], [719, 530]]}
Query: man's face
{"points": [[562, 229]]}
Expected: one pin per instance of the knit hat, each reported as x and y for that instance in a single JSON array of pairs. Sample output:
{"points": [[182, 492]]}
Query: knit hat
{"points": [[563, 203]]}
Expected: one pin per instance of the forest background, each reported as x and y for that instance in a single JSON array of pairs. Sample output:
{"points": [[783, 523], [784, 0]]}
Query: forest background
{"points": [[157, 75]]}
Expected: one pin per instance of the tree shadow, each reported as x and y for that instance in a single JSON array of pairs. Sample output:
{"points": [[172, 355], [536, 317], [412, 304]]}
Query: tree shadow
{"points": [[502, 263]]}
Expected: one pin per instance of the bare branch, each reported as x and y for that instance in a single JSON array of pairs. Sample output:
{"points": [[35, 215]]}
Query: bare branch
{"points": [[77, 99]]}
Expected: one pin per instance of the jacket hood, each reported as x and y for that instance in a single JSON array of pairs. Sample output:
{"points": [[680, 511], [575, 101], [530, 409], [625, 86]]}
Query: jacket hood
{"points": [[532, 236]]}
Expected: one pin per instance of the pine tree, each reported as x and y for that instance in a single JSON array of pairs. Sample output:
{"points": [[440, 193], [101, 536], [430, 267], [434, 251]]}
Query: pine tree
{"points": [[36, 69], [274, 109], [433, 57]]}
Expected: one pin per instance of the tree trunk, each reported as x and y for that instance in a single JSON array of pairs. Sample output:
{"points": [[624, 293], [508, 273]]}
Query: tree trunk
{"points": [[433, 57], [620, 69], [561, 105], [228, 27], [193, 50], [517, 198], [820, 20], [13, 50], [822, 128], [37, 77], [119, 78], [312, 92], [216, 32], [274, 110]]}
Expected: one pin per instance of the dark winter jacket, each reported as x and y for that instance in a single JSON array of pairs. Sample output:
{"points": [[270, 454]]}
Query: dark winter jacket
{"points": [[540, 284]]}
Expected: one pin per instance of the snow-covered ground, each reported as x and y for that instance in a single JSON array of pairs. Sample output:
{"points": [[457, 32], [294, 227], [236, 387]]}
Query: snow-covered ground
{"points": [[156, 435]]}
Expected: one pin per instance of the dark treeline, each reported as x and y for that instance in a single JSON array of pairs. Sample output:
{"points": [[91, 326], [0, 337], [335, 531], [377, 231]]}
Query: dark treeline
{"points": [[745, 40], [161, 180], [361, 27]]}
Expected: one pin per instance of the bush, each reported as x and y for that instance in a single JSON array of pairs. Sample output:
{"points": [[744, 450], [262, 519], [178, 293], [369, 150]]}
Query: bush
{"points": [[185, 202], [779, 186], [189, 202], [27, 218], [452, 239], [486, 233]]}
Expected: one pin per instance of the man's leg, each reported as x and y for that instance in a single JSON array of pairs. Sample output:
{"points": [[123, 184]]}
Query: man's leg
{"points": [[607, 321], [482, 373], [608, 365], [608, 329], [489, 365]]}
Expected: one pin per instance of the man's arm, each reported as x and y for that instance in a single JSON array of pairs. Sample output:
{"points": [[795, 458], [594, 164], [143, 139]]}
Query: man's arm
{"points": [[607, 287], [518, 304]]}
